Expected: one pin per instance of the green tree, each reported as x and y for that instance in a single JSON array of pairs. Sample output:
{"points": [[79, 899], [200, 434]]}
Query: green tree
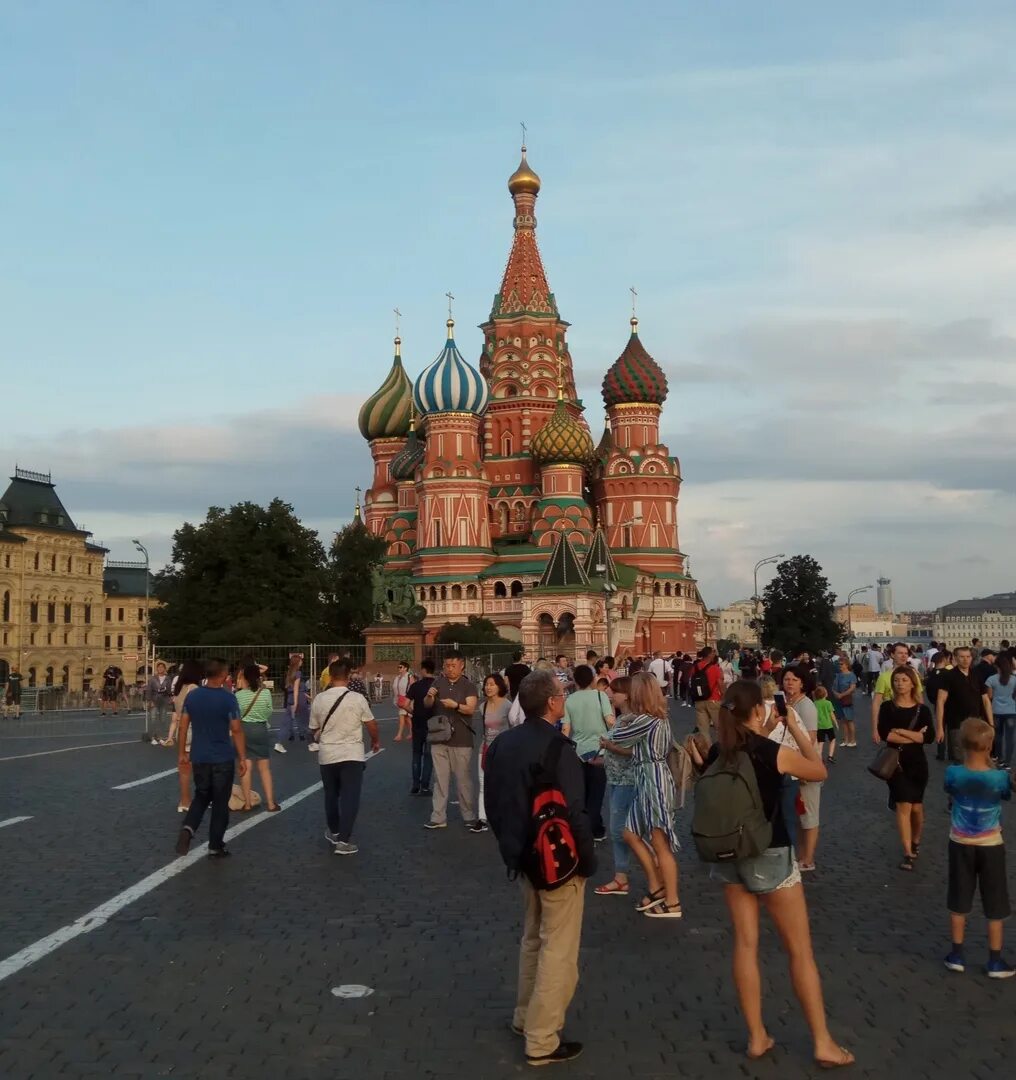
{"points": [[727, 646], [249, 574], [349, 603], [477, 631], [798, 608]]}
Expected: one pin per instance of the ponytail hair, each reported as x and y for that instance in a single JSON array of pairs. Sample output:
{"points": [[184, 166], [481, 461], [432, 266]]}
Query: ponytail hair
{"points": [[742, 698]]}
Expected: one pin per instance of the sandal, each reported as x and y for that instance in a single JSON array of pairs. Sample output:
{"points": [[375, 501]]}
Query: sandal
{"points": [[664, 911], [756, 1057], [908, 862], [272, 809], [612, 888], [846, 1058], [916, 849], [651, 901]]}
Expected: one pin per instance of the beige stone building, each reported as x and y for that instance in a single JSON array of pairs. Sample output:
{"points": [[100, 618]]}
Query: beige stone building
{"points": [[733, 623], [66, 614]]}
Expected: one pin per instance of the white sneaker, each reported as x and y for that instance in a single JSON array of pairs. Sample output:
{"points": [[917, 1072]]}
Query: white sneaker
{"points": [[280, 749], [344, 847], [313, 747], [332, 838]]}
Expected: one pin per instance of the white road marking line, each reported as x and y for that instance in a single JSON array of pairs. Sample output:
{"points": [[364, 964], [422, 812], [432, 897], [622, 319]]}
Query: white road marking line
{"points": [[68, 749], [145, 780], [99, 916], [14, 821]]}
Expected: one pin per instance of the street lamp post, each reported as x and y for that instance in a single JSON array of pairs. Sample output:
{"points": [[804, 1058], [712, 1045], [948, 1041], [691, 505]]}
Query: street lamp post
{"points": [[144, 551], [762, 562], [850, 621]]}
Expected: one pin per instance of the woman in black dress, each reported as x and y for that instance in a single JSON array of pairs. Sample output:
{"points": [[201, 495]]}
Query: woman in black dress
{"points": [[906, 723]]}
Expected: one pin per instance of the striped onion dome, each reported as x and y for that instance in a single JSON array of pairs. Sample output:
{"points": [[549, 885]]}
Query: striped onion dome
{"points": [[634, 376], [450, 384], [405, 462], [562, 440], [386, 413]]}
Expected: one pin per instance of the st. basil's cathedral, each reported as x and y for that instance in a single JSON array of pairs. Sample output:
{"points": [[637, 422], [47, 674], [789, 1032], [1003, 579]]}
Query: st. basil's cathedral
{"points": [[494, 501]]}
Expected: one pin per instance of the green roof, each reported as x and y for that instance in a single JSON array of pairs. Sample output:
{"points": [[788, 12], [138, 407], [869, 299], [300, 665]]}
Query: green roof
{"points": [[125, 579], [525, 566], [564, 569], [31, 500], [599, 555]]}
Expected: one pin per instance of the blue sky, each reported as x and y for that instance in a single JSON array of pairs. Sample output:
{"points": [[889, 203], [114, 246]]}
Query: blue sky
{"points": [[210, 211]]}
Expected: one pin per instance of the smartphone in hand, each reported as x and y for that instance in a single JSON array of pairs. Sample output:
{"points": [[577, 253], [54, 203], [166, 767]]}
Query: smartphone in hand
{"points": [[780, 701]]}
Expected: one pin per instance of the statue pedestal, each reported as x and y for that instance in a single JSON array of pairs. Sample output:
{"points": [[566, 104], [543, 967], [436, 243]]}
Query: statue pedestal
{"points": [[388, 643]]}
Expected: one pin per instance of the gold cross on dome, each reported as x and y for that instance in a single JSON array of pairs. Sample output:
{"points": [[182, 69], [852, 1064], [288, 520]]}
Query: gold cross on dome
{"points": [[522, 124], [450, 299], [398, 316], [634, 295]]}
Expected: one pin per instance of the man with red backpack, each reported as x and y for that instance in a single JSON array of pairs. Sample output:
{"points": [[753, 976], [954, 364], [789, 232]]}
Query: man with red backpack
{"points": [[706, 690], [535, 802]]}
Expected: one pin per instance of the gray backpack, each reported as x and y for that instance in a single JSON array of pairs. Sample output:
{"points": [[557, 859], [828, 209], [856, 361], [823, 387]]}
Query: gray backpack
{"points": [[729, 821]]}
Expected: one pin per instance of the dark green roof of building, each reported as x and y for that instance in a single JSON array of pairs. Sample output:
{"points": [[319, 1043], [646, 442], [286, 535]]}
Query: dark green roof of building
{"points": [[31, 500], [599, 555], [125, 579], [564, 570]]}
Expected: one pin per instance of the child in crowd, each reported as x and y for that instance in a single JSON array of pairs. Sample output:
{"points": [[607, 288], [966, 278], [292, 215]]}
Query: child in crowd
{"points": [[827, 723], [976, 849]]}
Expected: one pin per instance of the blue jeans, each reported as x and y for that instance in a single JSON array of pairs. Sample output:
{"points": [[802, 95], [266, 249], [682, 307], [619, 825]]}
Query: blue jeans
{"points": [[423, 763], [1005, 723], [788, 802], [621, 798]]}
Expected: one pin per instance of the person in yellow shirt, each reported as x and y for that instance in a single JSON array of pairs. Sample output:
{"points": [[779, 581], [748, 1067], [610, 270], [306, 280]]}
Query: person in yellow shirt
{"points": [[326, 679]]}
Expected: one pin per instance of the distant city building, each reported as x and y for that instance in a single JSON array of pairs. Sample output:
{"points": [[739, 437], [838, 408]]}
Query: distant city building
{"points": [[868, 625], [64, 616], [990, 618], [884, 596], [734, 622]]}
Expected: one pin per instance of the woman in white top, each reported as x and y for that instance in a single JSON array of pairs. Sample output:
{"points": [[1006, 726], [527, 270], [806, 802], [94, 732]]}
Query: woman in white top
{"points": [[400, 687], [798, 682], [191, 675]]}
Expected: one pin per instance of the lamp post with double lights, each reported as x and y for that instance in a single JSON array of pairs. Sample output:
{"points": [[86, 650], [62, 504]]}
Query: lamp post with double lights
{"points": [[850, 621], [758, 566], [144, 551]]}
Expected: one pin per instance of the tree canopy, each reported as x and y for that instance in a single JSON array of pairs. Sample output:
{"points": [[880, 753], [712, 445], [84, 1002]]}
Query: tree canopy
{"points": [[247, 574], [798, 609], [349, 604], [476, 631]]}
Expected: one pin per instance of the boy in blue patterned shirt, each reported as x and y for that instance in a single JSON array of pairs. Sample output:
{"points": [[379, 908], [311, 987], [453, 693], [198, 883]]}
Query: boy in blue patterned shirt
{"points": [[976, 848]]}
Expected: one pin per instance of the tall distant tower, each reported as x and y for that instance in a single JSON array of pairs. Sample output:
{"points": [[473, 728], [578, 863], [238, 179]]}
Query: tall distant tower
{"points": [[884, 596]]}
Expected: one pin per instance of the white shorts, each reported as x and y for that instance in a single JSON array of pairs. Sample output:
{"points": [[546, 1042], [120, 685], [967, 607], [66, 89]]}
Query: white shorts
{"points": [[811, 797]]}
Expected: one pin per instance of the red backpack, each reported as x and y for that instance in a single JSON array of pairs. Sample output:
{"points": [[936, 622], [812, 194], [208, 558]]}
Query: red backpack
{"points": [[552, 856]]}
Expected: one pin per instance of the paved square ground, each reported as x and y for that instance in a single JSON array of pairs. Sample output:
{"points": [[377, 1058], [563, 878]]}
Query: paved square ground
{"points": [[227, 968]]}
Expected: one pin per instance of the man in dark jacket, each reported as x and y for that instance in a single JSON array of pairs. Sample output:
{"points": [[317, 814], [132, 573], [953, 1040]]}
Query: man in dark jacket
{"points": [[549, 953]]}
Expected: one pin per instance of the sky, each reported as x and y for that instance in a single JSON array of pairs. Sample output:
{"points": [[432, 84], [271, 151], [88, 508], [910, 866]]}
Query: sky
{"points": [[210, 211]]}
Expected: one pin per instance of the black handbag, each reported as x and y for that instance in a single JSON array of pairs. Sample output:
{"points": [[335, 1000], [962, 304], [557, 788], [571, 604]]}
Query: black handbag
{"points": [[887, 761]]}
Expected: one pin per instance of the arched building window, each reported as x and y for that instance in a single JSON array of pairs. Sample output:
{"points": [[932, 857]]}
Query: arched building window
{"points": [[470, 592], [507, 444], [516, 588], [456, 592], [499, 590]]}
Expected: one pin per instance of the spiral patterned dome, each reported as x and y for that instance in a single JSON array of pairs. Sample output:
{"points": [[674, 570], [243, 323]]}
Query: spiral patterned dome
{"points": [[634, 376], [404, 465], [562, 440], [450, 384], [386, 413]]}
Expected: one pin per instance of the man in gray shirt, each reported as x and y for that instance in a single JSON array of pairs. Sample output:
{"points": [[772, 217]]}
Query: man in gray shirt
{"points": [[453, 697]]}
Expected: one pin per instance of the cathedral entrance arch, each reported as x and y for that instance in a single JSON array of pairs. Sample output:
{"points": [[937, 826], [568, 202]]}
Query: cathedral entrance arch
{"points": [[555, 635]]}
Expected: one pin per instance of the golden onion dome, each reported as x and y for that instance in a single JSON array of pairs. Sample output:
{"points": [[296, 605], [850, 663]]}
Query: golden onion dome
{"points": [[562, 440], [524, 179]]}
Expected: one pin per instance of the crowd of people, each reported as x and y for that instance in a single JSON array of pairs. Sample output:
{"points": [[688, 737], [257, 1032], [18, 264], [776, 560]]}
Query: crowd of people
{"points": [[571, 755]]}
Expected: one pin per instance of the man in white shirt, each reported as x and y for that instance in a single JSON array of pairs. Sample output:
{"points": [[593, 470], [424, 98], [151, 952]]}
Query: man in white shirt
{"points": [[872, 667], [660, 670], [337, 719]]}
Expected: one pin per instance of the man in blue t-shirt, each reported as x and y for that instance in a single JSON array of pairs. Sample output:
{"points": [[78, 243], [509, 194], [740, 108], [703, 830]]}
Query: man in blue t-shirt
{"points": [[212, 714]]}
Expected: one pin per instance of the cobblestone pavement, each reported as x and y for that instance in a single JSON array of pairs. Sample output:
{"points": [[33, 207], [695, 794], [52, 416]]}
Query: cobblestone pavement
{"points": [[226, 969]]}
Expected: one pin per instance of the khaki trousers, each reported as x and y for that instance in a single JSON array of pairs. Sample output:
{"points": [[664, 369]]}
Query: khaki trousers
{"points": [[548, 962], [706, 713], [452, 761]]}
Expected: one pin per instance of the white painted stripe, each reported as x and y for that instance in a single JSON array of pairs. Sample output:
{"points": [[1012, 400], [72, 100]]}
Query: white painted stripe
{"points": [[99, 916], [69, 749], [14, 821], [145, 780]]}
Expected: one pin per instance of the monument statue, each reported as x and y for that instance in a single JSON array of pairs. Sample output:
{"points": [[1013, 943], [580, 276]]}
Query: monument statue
{"points": [[394, 598]]}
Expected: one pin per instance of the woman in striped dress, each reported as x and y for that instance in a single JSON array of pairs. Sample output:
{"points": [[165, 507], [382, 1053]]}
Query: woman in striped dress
{"points": [[651, 829]]}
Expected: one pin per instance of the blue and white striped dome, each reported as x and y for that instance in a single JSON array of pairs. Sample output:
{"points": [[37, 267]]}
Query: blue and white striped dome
{"points": [[450, 384]]}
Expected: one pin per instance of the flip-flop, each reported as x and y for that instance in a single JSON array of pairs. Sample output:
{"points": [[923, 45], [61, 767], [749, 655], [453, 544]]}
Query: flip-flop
{"points": [[846, 1058], [272, 809]]}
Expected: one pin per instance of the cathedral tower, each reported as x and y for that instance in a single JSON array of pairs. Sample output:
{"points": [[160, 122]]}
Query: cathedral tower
{"points": [[453, 532]]}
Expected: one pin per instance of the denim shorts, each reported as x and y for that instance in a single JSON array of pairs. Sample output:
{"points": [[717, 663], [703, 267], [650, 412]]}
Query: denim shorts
{"points": [[776, 868]]}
